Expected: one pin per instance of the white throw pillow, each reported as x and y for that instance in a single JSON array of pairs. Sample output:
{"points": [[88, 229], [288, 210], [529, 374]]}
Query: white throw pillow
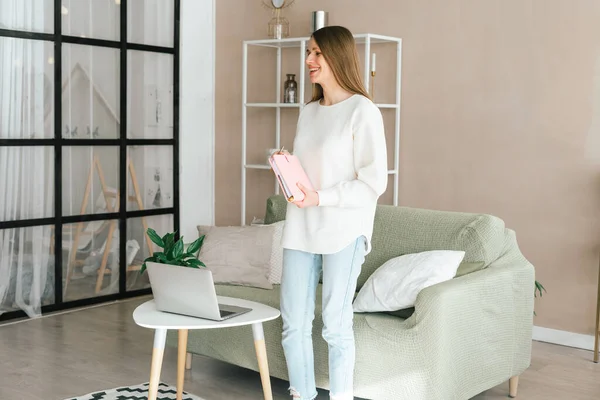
{"points": [[396, 284]]}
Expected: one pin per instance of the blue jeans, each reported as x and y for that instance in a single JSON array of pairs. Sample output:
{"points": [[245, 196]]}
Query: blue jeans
{"points": [[301, 272]]}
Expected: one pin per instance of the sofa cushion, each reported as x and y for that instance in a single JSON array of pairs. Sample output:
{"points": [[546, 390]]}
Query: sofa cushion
{"points": [[238, 255], [264, 296], [404, 230], [276, 209], [467, 267], [272, 298], [276, 261]]}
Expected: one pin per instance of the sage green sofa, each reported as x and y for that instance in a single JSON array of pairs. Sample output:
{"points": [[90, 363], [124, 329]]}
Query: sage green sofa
{"points": [[465, 336]]}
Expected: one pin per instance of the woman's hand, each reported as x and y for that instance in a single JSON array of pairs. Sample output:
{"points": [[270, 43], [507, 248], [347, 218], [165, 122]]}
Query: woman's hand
{"points": [[311, 197]]}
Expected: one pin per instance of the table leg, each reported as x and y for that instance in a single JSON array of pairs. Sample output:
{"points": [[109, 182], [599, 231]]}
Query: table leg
{"points": [[181, 358], [160, 337], [261, 355]]}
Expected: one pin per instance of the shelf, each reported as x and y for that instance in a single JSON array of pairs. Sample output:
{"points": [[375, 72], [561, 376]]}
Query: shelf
{"points": [[257, 166], [360, 38], [274, 105], [295, 46], [287, 42]]}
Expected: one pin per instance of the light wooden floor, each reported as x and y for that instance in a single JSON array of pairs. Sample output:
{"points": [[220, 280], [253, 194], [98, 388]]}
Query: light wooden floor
{"points": [[61, 356]]}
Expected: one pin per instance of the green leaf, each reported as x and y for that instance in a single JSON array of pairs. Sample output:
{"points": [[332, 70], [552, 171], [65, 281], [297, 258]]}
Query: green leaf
{"points": [[195, 263], [153, 259], [178, 249], [188, 255], [169, 240], [539, 288], [196, 245], [155, 238], [162, 257], [169, 244]]}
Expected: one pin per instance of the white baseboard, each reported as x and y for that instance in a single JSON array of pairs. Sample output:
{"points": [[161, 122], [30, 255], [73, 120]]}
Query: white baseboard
{"points": [[563, 338]]}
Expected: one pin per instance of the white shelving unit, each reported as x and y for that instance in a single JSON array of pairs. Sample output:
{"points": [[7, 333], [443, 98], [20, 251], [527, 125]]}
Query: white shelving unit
{"points": [[366, 39]]}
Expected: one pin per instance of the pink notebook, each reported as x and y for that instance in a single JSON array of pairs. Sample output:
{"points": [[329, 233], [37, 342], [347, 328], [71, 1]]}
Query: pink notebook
{"points": [[289, 172]]}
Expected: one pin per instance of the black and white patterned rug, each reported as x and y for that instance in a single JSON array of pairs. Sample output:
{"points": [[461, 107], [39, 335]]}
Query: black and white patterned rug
{"points": [[137, 392]]}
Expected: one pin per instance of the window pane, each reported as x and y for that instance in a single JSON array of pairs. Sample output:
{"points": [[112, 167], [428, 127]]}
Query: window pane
{"points": [[27, 95], [26, 182], [138, 245], [90, 179], [27, 15], [27, 265], [90, 97], [150, 22], [153, 168], [150, 94], [90, 259], [97, 19]]}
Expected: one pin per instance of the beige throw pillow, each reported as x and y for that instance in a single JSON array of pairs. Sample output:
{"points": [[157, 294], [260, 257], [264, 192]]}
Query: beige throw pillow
{"points": [[276, 263], [238, 255]]}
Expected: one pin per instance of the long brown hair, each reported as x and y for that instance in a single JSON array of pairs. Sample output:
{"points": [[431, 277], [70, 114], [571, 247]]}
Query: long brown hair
{"points": [[338, 47]]}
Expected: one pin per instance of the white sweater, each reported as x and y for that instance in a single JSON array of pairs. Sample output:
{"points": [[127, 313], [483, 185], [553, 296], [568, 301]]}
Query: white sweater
{"points": [[343, 150]]}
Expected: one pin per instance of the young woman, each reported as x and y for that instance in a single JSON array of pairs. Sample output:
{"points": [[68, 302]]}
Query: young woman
{"points": [[340, 142]]}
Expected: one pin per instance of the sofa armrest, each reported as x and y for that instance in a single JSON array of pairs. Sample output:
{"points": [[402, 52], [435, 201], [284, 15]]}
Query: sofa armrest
{"points": [[480, 322]]}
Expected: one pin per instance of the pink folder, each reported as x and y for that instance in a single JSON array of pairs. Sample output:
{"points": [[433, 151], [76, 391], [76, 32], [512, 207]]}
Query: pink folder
{"points": [[289, 172]]}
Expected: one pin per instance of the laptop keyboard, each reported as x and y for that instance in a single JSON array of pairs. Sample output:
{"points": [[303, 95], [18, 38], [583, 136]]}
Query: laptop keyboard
{"points": [[226, 313]]}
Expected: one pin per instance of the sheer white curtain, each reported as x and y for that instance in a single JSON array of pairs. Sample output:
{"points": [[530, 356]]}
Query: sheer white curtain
{"points": [[26, 172]]}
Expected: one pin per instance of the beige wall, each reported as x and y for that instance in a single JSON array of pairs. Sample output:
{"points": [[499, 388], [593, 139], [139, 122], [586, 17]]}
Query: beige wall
{"points": [[500, 114]]}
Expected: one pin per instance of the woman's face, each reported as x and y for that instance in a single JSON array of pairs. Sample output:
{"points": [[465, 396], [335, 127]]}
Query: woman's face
{"points": [[318, 69]]}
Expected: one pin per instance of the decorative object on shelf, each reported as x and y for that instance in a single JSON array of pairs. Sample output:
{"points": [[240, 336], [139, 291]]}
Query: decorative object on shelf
{"points": [[279, 26], [290, 89], [319, 19], [174, 252], [373, 58]]}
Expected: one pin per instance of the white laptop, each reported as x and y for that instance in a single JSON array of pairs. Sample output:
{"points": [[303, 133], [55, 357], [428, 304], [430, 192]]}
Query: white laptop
{"points": [[188, 291]]}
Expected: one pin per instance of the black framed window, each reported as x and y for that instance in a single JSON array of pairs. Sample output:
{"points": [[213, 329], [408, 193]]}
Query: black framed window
{"points": [[89, 136]]}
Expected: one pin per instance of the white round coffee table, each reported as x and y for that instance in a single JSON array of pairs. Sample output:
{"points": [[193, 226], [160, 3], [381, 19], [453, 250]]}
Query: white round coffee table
{"points": [[148, 316]]}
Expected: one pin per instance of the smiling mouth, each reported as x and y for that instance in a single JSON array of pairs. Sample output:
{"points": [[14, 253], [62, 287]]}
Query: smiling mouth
{"points": [[312, 71]]}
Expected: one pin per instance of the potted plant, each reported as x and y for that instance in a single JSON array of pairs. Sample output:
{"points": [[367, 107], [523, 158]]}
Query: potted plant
{"points": [[538, 288], [174, 252]]}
